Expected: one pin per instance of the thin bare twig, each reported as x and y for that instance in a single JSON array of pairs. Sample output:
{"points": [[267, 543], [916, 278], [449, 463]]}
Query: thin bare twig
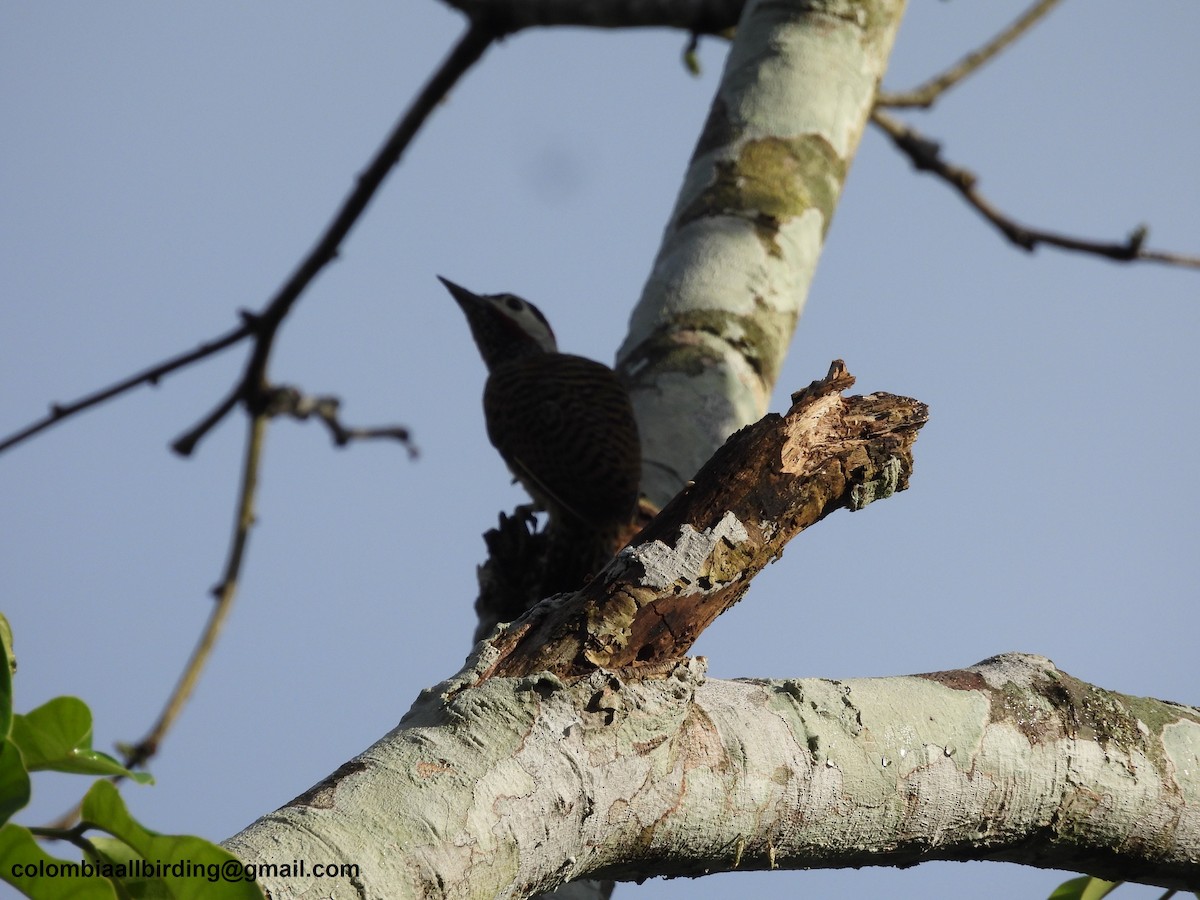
{"points": [[264, 326], [466, 52], [152, 375], [291, 402], [925, 95], [223, 594], [925, 154], [252, 389]]}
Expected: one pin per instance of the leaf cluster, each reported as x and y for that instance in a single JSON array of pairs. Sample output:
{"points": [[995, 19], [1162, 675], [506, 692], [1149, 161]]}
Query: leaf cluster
{"points": [[121, 858]]}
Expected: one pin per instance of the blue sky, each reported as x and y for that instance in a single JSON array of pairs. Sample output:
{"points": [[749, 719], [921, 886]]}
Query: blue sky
{"points": [[165, 166]]}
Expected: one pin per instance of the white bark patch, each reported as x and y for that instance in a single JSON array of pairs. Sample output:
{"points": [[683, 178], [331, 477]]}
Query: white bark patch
{"points": [[664, 565], [697, 411], [1182, 743]]}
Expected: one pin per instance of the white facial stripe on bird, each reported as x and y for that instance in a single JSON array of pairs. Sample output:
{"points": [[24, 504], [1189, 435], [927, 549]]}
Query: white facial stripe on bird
{"points": [[527, 317]]}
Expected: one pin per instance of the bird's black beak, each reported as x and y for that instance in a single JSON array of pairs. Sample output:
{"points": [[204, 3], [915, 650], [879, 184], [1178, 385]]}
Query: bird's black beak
{"points": [[465, 298]]}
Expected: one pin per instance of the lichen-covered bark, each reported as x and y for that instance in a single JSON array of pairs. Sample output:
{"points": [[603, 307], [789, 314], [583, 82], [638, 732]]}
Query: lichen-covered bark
{"points": [[517, 785], [709, 335]]}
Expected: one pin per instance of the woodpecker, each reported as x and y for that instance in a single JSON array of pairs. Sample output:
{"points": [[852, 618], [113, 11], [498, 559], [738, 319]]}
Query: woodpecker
{"points": [[565, 428]]}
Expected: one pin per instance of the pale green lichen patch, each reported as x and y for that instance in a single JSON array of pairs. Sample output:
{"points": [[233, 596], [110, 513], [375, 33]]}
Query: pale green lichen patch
{"points": [[1135, 723], [879, 488], [785, 177], [770, 182], [761, 347], [661, 352], [1047, 705], [727, 562]]}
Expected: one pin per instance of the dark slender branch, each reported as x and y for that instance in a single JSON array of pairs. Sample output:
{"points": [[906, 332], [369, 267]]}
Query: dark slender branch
{"points": [[152, 375], [291, 402], [252, 389], [925, 95], [186, 442], [469, 49], [925, 154], [698, 16], [264, 325]]}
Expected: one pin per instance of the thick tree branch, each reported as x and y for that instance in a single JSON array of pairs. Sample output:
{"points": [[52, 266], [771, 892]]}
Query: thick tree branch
{"points": [[519, 785], [730, 279], [768, 483]]}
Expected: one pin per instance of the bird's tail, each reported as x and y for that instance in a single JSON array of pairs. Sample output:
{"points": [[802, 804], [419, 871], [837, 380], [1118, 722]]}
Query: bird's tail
{"points": [[575, 552]]}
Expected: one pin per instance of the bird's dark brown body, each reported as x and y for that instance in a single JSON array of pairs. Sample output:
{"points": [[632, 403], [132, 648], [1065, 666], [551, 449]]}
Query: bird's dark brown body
{"points": [[565, 427]]}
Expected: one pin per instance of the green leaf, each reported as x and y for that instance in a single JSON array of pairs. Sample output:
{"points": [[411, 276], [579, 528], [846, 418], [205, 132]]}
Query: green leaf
{"points": [[14, 777], [21, 854], [8, 665], [53, 731], [14, 781], [1084, 888], [188, 867], [6, 641], [93, 762], [58, 735]]}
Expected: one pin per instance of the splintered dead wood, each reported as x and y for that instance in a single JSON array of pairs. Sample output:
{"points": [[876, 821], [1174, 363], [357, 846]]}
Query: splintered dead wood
{"points": [[769, 482]]}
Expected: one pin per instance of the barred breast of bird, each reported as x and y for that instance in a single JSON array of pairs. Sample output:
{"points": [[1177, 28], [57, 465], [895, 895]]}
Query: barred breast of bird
{"points": [[565, 426]]}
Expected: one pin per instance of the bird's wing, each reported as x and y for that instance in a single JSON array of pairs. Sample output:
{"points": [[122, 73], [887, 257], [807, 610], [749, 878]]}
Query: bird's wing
{"points": [[565, 426]]}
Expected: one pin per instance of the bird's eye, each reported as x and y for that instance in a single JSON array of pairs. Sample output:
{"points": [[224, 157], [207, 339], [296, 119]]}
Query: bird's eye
{"points": [[514, 303]]}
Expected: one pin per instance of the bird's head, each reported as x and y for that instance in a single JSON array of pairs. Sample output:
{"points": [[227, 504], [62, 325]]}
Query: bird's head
{"points": [[504, 326]]}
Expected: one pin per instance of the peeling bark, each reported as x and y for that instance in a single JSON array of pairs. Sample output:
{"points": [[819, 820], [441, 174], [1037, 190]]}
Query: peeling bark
{"points": [[768, 483]]}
